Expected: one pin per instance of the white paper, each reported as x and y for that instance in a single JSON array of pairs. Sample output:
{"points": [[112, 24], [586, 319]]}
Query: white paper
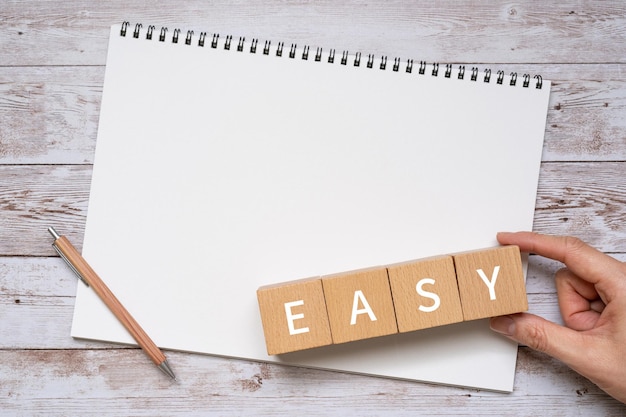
{"points": [[219, 171]]}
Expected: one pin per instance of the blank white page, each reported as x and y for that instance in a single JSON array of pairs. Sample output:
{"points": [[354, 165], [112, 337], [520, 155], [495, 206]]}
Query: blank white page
{"points": [[218, 171]]}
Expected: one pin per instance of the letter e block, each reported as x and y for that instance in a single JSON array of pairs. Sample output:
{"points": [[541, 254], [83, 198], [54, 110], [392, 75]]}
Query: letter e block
{"points": [[359, 305], [425, 293], [491, 282], [294, 316]]}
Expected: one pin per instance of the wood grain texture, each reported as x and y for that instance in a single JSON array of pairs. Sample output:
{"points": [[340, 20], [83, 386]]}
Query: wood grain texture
{"points": [[72, 33], [91, 382], [52, 57], [586, 200], [34, 197], [49, 115]]}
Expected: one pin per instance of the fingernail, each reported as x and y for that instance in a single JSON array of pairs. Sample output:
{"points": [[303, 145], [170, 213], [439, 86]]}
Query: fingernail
{"points": [[502, 236], [504, 325]]}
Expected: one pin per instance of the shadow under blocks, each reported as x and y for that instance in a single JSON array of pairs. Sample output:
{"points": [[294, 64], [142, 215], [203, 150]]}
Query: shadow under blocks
{"points": [[396, 298]]}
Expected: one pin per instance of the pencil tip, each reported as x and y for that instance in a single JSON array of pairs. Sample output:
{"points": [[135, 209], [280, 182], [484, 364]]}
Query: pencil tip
{"points": [[53, 232], [165, 367]]}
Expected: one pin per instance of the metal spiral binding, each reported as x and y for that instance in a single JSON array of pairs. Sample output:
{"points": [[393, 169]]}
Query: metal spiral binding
{"points": [[345, 56]]}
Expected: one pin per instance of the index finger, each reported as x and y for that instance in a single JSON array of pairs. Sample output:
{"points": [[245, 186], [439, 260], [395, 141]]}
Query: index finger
{"points": [[583, 260]]}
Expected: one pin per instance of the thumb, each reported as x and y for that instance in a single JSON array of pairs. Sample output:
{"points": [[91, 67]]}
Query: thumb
{"points": [[545, 336]]}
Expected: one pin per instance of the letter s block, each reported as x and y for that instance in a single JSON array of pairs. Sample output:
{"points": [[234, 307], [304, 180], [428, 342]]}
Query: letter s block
{"points": [[359, 305], [425, 293], [491, 282], [294, 316]]}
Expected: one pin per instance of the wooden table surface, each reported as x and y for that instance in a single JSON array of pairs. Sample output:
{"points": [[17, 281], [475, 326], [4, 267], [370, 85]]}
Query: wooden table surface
{"points": [[52, 57]]}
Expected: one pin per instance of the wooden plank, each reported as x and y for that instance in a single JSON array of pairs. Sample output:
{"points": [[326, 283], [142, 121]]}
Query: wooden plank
{"points": [[49, 115], [35, 277], [87, 382], [34, 197], [37, 304], [75, 32], [31, 322], [585, 116], [583, 199]]}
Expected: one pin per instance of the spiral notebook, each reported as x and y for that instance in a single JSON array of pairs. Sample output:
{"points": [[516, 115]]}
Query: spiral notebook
{"points": [[225, 163]]}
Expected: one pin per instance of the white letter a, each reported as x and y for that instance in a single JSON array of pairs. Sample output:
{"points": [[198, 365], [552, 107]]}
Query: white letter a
{"points": [[358, 295]]}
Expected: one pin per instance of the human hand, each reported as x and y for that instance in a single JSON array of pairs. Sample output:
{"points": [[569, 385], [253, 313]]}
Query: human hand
{"points": [[591, 291]]}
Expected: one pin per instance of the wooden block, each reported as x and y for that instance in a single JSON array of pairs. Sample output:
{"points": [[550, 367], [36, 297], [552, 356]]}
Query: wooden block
{"points": [[294, 316], [359, 305], [491, 282], [425, 293]]}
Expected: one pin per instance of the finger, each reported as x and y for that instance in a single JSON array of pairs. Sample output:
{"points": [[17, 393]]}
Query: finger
{"points": [[582, 259], [565, 344], [575, 297], [565, 279]]}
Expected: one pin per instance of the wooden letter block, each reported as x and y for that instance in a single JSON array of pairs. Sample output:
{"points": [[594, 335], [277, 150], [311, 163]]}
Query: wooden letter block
{"points": [[294, 316], [425, 293], [491, 282], [359, 305]]}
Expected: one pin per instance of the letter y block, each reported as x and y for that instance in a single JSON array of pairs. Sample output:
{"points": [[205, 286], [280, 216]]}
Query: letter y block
{"points": [[491, 282]]}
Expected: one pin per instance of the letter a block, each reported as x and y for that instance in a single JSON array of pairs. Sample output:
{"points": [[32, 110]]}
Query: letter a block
{"points": [[491, 282], [425, 293], [294, 316], [359, 305]]}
